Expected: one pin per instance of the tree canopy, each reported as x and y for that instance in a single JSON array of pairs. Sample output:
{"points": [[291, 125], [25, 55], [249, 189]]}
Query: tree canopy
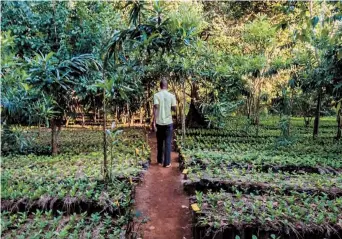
{"points": [[221, 58]]}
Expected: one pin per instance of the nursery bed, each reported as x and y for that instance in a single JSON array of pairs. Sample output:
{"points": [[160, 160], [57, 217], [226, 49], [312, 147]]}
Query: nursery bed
{"points": [[224, 215]]}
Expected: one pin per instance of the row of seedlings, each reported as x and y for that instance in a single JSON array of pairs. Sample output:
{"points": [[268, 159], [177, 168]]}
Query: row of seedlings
{"points": [[261, 191], [67, 197]]}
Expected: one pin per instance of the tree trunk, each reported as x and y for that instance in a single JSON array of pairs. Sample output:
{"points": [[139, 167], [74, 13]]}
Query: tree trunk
{"points": [[317, 113], [148, 112], [83, 120], [319, 96], [54, 134], [117, 114], [339, 124], [132, 119], [183, 113], [94, 111], [257, 108], [59, 129], [178, 101], [128, 116], [180, 110], [67, 121], [39, 128], [105, 171], [257, 117], [176, 112], [306, 122], [141, 116], [194, 117], [249, 106]]}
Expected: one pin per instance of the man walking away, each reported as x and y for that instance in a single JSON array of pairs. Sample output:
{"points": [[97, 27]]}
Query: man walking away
{"points": [[163, 102]]}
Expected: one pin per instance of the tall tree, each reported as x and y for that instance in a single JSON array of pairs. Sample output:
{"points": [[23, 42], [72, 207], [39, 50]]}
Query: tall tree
{"points": [[317, 54]]}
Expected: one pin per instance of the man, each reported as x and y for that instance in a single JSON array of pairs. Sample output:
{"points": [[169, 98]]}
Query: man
{"points": [[163, 103]]}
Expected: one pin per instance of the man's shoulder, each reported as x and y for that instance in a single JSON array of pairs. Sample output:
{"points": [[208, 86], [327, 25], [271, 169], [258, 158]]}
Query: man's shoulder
{"points": [[171, 94], [164, 93], [158, 93]]}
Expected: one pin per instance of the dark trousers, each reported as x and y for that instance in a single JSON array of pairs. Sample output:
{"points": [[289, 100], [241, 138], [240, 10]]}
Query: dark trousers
{"points": [[164, 137]]}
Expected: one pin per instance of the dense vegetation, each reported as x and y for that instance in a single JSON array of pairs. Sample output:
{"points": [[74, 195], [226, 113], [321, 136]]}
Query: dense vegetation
{"points": [[259, 188], [259, 93], [63, 60], [66, 196]]}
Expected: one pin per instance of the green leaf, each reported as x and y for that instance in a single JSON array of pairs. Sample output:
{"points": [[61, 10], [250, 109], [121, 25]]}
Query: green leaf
{"points": [[339, 55], [26, 87], [48, 56], [314, 21], [237, 237]]}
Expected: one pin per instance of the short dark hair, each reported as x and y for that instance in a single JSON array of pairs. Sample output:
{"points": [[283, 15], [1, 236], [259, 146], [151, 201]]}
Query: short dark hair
{"points": [[163, 83]]}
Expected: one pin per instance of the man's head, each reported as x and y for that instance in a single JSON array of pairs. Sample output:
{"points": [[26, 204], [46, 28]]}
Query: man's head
{"points": [[163, 84]]}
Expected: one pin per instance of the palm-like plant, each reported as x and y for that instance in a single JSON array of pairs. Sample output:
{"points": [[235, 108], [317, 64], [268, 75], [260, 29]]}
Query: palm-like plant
{"points": [[155, 35], [50, 76], [136, 12]]}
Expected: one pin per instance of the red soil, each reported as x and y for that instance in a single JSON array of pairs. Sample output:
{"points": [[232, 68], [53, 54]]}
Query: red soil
{"points": [[161, 198]]}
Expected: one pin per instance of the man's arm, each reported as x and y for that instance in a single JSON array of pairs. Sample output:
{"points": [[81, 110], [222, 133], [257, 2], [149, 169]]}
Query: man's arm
{"points": [[155, 114]]}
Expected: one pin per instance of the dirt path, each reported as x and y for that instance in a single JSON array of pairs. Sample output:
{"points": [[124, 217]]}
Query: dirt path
{"points": [[160, 198]]}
